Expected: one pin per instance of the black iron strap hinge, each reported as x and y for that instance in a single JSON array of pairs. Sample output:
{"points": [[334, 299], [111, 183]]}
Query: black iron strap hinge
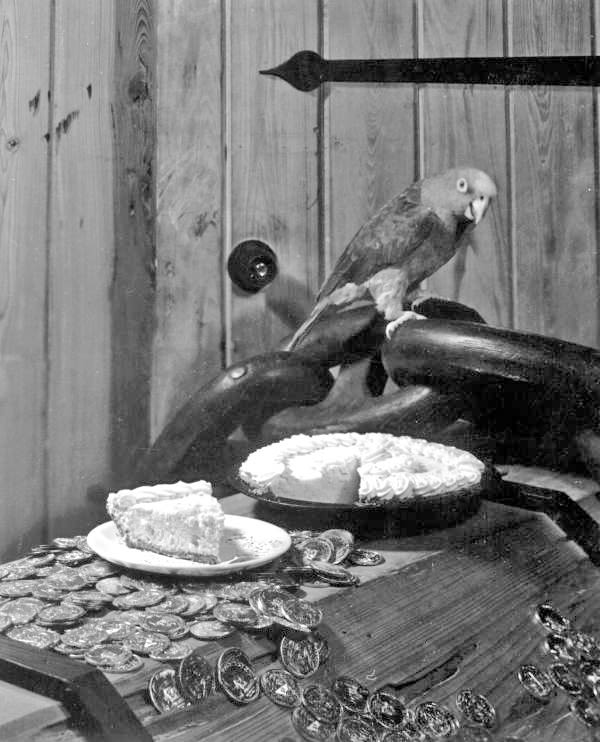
{"points": [[306, 70]]}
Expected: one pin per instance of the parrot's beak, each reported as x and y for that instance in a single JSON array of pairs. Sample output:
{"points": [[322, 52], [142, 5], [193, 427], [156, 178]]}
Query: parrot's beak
{"points": [[475, 211]]}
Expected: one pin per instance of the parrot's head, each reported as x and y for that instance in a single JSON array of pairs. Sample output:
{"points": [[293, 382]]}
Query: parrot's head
{"points": [[462, 194]]}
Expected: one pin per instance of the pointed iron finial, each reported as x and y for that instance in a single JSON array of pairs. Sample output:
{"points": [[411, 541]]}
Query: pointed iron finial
{"points": [[306, 70]]}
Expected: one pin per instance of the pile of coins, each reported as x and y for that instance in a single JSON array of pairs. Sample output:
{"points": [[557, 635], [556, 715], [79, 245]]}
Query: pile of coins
{"points": [[63, 597], [328, 554], [575, 670]]}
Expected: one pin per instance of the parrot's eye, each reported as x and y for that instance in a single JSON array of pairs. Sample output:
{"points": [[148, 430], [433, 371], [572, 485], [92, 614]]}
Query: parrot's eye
{"points": [[462, 185]]}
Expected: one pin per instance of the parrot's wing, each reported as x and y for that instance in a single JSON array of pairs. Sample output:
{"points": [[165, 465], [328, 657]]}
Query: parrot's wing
{"points": [[389, 238]]}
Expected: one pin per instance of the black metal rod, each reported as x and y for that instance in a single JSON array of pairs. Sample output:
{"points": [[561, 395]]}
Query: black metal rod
{"points": [[567, 514], [306, 70]]}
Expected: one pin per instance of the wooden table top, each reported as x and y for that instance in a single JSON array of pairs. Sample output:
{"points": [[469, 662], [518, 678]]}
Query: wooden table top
{"points": [[450, 609]]}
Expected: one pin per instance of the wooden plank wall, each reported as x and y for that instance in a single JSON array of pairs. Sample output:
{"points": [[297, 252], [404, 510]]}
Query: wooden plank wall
{"points": [[24, 114], [139, 145]]}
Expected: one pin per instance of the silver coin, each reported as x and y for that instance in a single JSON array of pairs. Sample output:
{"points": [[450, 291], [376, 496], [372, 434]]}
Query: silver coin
{"points": [[322, 703], [141, 582], [339, 534], [334, 574], [197, 604], [210, 630], [236, 676], [145, 642], [281, 687], [436, 720], [139, 599], [65, 649], [291, 627], [316, 548], [365, 557], [112, 586], [269, 601], [321, 645], [476, 708], [82, 544], [116, 629], [67, 579], [65, 543], [57, 615], [85, 636], [195, 677], [299, 656], [164, 692], [240, 615], [536, 681], [356, 729], [74, 558], [342, 541], [566, 678], [174, 652], [352, 694], [298, 536], [241, 591], [302, 612], [21, 571], [20, 611], [386, 709], [98, 569], [89, 598], [107, 654], [172, 604], [551, 619], [17, 588], [132, 664], [35, 636], [164, 623], [310, 728], [41, 560], [47, 593]]}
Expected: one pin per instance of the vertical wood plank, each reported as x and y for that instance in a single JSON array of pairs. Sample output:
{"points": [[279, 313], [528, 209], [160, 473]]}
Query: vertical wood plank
{"points": [[189, 157], [81, 261], [274, 189], [24, 85], [596, 124], [555, 193], [467, 125], [372, 143], [133, 280]]}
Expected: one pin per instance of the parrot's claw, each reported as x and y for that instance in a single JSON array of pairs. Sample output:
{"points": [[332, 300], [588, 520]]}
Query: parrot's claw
{"points": [[421, 299], [392, 326]]}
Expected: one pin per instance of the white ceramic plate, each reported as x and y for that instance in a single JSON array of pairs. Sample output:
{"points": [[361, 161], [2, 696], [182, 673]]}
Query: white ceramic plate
{"points": [[246, 543]]}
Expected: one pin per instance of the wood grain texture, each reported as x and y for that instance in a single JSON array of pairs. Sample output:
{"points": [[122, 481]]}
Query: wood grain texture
{"points": [[555, 198], [189, 170], [24, 84], [467, 125], [133, 275], [371, 147], [81, 262], [274, 189]]}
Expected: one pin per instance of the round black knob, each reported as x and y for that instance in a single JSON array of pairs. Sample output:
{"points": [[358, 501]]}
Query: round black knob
{"points": [[252, 265]]}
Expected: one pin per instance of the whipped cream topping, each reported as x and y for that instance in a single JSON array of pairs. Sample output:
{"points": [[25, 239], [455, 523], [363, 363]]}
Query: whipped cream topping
{"points": [[390, 467]]}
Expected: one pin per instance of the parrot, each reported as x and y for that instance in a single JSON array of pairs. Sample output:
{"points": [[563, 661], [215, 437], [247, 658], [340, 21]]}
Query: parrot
{"points": [[406, 241]]}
